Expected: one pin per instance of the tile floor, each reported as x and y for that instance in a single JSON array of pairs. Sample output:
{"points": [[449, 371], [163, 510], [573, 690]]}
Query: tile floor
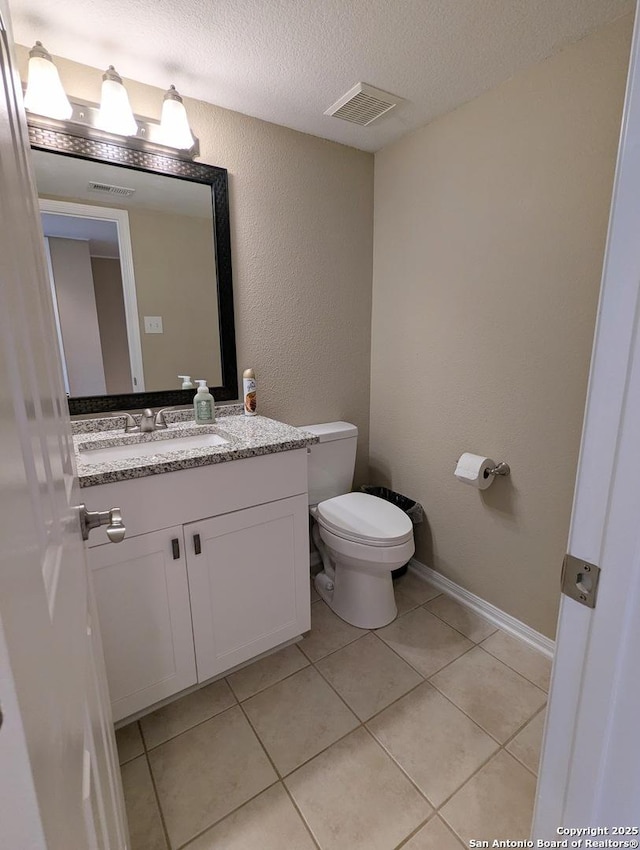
{"points": [[420, 735]]}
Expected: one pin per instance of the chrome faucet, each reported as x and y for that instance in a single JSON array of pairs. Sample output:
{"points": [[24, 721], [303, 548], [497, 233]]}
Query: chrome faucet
{"points": [[148, 422]]}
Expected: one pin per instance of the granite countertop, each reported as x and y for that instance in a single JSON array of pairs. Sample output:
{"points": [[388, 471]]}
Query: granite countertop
{"points": [[247, 436]]}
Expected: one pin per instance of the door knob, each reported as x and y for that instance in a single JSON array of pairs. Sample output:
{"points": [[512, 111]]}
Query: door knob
{"points": [[94, 519]]}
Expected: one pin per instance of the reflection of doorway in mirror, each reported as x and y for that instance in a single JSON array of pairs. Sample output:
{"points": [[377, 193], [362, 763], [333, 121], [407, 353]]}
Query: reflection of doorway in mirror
{"points": [[91, 272]]}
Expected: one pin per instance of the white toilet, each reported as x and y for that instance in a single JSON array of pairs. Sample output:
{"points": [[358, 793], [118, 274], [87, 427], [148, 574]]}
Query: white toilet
{"points": [[361, 538]]}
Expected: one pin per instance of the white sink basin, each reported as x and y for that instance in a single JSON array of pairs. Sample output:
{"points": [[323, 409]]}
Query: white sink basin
{"points": [[154, 447]]}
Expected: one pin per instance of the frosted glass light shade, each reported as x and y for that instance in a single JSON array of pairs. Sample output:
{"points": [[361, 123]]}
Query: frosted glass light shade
{"points": [[115, 114], [45, 94], [174, 124]]}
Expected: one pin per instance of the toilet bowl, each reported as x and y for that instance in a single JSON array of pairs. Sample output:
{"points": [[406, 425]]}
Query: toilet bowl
{"points": [[360, 537], [356, 581]]}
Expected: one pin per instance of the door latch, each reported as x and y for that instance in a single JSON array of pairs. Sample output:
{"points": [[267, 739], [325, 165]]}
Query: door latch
{"points": [[94, 519], [580, 580]]}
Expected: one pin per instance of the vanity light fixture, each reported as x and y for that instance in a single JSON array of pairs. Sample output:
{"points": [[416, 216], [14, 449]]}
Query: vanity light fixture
{"points": [[45, 93], [51, 112], [174, 124], [115, 115]]}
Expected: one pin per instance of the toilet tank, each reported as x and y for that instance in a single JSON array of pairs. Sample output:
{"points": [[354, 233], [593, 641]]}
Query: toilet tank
{"points": [[331, 461]]}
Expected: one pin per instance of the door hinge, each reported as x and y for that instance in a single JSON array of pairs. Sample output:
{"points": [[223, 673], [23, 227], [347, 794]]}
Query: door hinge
{"points": [[580, 580]]}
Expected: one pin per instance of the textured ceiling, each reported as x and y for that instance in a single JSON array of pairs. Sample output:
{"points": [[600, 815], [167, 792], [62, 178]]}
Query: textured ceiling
{"points": [[286, 61]]}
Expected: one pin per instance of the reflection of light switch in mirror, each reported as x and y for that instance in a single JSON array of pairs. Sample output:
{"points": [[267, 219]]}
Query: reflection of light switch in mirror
{"points": [[153, 324]]}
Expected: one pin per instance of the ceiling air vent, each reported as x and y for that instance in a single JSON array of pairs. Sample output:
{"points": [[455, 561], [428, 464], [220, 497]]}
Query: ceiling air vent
{"points": [[106, 189], [363, 104]]}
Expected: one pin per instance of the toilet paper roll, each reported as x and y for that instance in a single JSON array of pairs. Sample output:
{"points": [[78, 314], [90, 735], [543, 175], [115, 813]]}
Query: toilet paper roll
{"points": [[472, 470]]}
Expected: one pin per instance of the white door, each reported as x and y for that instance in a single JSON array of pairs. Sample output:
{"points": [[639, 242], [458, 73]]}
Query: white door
{"points": [[59, 785], [249, 582], [590, 770], [145, 619]]}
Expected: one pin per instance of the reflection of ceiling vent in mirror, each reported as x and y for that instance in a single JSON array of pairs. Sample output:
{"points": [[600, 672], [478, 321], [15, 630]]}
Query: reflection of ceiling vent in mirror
{"points": [[363, 104], [106, 189]]}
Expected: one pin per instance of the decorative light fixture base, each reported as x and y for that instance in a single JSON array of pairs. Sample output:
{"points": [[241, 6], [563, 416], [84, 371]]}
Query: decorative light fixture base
{"points": [[83, 125]]}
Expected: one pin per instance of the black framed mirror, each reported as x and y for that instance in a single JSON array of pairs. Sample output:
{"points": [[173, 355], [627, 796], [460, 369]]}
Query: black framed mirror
{"points": [[139, 256]]}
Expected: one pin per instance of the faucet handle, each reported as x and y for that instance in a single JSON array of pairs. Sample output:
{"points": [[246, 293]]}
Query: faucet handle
{"points": [[130, 424], [161, 422]]}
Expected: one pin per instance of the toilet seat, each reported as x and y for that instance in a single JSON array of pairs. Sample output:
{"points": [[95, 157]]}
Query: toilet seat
{"points": [[365, 519]]}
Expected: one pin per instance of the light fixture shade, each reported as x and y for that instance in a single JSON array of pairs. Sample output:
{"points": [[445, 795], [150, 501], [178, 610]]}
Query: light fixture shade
{"points": [[115, 115], [174, 124], [45, 94]]}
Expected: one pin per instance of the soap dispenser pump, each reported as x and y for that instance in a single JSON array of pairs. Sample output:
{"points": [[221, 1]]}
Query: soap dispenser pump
{"points": [[187, 383], [204, 405]]}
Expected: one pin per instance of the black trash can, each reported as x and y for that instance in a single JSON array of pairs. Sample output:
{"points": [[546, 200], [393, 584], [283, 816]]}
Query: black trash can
{"points": [[411, 508]]}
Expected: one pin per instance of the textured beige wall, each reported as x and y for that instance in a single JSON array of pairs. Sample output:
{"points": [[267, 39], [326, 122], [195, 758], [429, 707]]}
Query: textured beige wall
{"points": [[301, 229], [490, 226], [173, 261]]}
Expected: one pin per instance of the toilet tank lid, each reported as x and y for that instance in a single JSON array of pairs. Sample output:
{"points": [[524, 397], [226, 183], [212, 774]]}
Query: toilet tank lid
{"points": [[327, 431]]}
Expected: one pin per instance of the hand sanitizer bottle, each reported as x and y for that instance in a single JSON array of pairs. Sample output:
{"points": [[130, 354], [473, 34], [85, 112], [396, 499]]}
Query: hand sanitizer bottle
{"points": [[203, 405]]}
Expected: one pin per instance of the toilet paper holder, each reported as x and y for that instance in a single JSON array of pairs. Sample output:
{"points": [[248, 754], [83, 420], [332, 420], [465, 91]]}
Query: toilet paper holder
{"points": [[501, 468]]}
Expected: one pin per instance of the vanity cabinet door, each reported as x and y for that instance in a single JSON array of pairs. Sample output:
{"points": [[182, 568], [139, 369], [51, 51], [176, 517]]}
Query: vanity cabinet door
{"points": [[142, 597], [249, 582]]}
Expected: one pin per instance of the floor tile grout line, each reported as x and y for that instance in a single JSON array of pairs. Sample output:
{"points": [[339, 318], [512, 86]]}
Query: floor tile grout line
{"points": [[473, 720], [535, 684], [402, 770], [159, 805], [337, 693], [361, 724], [277, 682], [198, 835], [323, 750], [482, 640], [513, 670], [415, 831], [497, 752], [301, 816], [402, 696], [468, 637], [195, 726], [435, 807], [259, 739], [433, 816], [525, 724], [450, 828], [519, 760], [426, 678], [333, 651], [433, 684], [469, 778]]}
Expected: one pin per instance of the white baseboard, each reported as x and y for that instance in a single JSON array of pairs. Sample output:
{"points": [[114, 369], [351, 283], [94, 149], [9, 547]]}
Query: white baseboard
{"points": [[495, 615]]}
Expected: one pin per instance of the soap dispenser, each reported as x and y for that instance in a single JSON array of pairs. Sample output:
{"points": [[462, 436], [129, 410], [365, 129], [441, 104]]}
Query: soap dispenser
{"points": [[203, 405], [187, 383]]}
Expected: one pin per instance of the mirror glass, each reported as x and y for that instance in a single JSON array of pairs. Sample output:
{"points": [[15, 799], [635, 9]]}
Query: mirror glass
{"points": [[131, 257]]}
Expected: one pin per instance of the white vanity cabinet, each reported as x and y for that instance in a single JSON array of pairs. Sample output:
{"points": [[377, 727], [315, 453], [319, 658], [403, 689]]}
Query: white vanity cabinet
{"points": [[142, 595], [246, 587], [213, 571]]}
